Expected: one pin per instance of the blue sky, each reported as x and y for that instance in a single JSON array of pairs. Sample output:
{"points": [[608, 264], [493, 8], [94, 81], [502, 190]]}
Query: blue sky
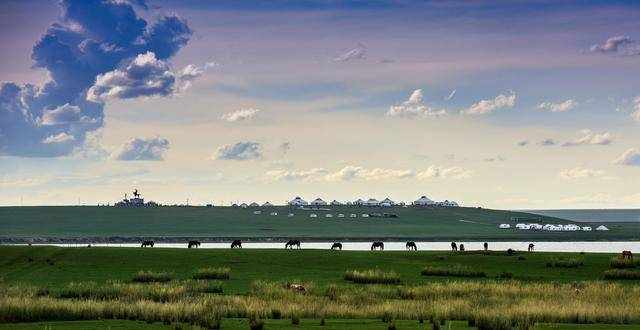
{"points": [[507, 104]]}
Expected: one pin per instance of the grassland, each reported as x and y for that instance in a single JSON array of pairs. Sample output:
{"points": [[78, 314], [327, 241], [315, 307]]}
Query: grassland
{"points": [[59, 285], [435, 224]]}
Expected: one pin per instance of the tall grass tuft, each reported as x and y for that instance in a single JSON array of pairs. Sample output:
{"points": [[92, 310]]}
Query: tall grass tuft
{"points": [[622, 274], [565, 262], [150, 276], [620, 263], [453, 270], [372, 276], [212, 273]]}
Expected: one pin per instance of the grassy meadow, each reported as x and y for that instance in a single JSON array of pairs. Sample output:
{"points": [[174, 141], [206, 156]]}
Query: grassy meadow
{"points": [[443, 224], [312, 289]]}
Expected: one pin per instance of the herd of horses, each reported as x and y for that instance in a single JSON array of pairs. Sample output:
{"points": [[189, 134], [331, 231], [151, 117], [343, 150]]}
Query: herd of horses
{"points": [[377, 245]]}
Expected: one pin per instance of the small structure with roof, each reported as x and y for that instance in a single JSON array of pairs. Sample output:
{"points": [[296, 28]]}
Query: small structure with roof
{"points": [[423, 201], [254, 204], [602, 228], [298, 202], [372, 202], [335, 203], [358, 202], [504, 226], [387, 202], [318, 202], [267, 204]]}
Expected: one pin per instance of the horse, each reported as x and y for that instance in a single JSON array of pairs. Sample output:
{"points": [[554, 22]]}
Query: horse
{"points": [[454, 246], [193, 244], [511, 251], [377, 245], [336, 246], [627, 255], [236, 244], [461, 247], [531, 247], [486, 246], [291, 243], [411, 246], [147, 243]]}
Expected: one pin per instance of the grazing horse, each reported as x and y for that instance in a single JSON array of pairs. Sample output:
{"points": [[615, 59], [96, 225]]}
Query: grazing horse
{"points": [[486, 246], [193, 244], [336, 246], [236, 244], [461, 247], [147, 243], [531, 247], [377, 245], [411, 246], [454, 246], [627, 255], [291, 243]]}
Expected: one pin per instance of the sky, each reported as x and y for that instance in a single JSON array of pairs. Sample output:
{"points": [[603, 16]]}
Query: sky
{"points": [[502, 104]]}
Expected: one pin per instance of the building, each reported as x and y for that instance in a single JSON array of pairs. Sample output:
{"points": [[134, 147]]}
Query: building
{"points": [[372, 202], [335, 203], [504, 226], [358, 202], [448, 203], [136, 201], [318, 202], [267, 204], [387, 202], [423, 201], [254, 204], [298, 202], [602, 228]]}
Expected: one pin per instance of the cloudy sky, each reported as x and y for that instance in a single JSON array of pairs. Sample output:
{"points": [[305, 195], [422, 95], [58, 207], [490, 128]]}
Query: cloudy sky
{"points": [[507, 104]]}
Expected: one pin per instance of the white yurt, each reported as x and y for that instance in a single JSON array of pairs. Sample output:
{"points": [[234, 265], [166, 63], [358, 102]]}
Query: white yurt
{"points": [[298, 202], [318, 202], [423, 201], [602, 228]]}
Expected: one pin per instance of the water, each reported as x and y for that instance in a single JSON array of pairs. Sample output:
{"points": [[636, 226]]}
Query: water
{"points": [[593, 215], [610, 247]]}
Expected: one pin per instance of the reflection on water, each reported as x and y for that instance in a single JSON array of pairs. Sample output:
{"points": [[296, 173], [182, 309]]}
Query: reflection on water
{"points": [[400, 246]]}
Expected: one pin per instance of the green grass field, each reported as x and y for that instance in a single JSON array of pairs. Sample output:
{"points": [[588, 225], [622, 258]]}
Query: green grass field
{"points": [[226, 222], [40, 283]]}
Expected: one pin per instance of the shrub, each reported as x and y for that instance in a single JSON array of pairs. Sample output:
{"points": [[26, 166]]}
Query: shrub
{"points": [[212, 273], [372, 276], [620, 263], [622, 274], [205, 286], [565, 262], [149, 276], [452, 270]]}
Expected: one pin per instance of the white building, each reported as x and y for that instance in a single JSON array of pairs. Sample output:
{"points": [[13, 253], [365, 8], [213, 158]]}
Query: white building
{"points": [[504, 226], [523, 226], [335, 203], [423, 201], [313, 215], [328, 215], [353, 215], [244, 205], [535, 226], [340, 215], [602, 228], [372, 202], [387, 202], [550, 227], [586, 228], [318, 202], [570, 227], [298, 202], [254, 204], [358, 202], [448, 203]]}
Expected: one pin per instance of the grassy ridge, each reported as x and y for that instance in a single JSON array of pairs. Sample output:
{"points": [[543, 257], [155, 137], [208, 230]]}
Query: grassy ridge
{"points": [[426, 223]]}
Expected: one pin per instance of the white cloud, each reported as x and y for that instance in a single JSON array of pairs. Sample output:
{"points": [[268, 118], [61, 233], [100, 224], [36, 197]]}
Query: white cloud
{"points": [[414, 107], [482, 107], [580, 173], [590, 138], [239, 151], [631, 157], [620, 45], [64, 115], [311, 175], [357, 53], [351, 172], [190, 72], [636, 109], [142, 149], [435, 172], [58, 138], [558, 107], [241, 115]]}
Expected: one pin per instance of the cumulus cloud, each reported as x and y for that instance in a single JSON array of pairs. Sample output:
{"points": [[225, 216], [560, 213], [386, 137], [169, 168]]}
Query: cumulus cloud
{"points": [[241, 115], [62, 137], [590, 138], [90, 39], [502, 101], [239, 151], [435, 172], [414, 107], [559, 106], [311, 175], [635, 114], [631, 157], [547, 143], [619, 45], [143, 76], [580, 173], [142, 149], [351, 172], [357, 53]]}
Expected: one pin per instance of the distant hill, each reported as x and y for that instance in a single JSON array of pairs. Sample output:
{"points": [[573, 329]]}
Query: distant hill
{"points": [[222, 223]]}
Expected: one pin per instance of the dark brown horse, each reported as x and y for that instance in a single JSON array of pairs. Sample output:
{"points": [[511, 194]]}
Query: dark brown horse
{"points": [[336, 246], [236, 244], [377, 245], [291, 243], [411, 246], [486, 246], [627, 255], [454, 246], [192, 244], [461, 247], [147, 243], [531, 247]]}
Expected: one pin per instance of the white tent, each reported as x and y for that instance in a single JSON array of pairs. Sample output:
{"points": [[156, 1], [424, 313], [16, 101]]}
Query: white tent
{"points": [[586, 228], [387, 202], [523, 226], [318, 202], [504, 226], [570, 227], [448, 203], [244, 205], [535, 226], [358, 202], [372, 202], [298, 202], [267, 204], [423, 201], [254, 204], [335, 203], [602, 228]]}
